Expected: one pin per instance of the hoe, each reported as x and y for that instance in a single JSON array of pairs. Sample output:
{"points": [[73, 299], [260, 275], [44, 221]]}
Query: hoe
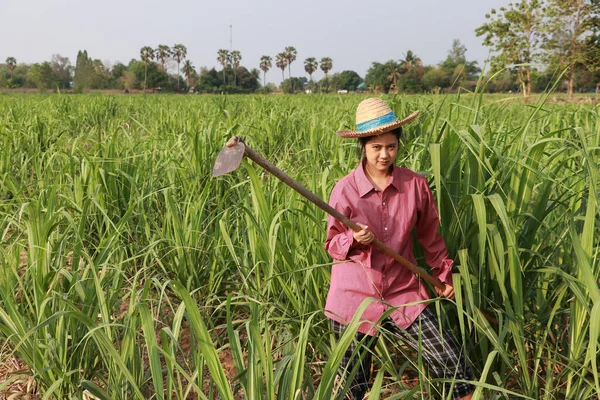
{"points": [[230, 158]]}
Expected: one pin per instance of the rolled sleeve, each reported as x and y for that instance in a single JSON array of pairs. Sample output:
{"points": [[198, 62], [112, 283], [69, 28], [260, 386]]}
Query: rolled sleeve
{"points": [[339, 242], [339, 239]]}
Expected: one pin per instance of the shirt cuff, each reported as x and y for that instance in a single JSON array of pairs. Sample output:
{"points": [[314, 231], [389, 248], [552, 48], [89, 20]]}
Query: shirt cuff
{"points": [[346, 242], [445, 274]]}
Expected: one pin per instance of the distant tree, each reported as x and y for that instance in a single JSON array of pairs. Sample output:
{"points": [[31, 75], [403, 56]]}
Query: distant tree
{"points": [[84, 70], [163, 52], [586, 79], [457, 57], [249, 80], [281, 62], [394, 73], [11, 62], [62, 70], [128, 80], [179, 52], [457, 52], [269, 88], [42, 76], [152, 72], [34, 75], [505, 81], [541, 81], [188, 71], [411, 81], [223, 58], [326, 65], [377, 76], [6, 80], [514, 36], [147, 55], [116, 72], [459, 76], [290, 55], [346, 80], [410, 60], [265, 66], [209, 81], [310, 66], [569, 24], [288, 85], [100, 76], [592, 61], [435, 79], [19, 78], [236, 57]]}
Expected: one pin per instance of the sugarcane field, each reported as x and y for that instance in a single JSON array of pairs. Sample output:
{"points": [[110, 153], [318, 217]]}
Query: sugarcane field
{"points": [[127, 271], [317, 200]]}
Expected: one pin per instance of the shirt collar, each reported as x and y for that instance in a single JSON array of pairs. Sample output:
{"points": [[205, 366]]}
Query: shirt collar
{"points": [[364, 185]]}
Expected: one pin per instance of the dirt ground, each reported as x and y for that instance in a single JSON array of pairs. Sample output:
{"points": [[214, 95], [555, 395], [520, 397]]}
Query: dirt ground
{"points": [[22, 385]]}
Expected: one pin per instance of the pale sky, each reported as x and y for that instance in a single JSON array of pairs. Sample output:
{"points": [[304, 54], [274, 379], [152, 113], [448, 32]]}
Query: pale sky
{"points": [[353, 33]]}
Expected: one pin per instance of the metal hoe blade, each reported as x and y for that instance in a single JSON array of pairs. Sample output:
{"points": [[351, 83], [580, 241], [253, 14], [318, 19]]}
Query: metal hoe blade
{"points": [[229, 159]]}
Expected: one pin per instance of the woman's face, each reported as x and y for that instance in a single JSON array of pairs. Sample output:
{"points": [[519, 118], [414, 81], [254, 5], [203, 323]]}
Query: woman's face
{"points": [[381, 152]]}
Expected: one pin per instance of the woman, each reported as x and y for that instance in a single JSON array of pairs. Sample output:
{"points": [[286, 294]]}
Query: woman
{"points": [[389, 203]]}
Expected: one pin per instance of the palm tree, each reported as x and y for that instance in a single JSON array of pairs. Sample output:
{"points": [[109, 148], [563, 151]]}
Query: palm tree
{"points": [[281, 62], [11, 62], [326, 65], [410, 60], [179, 53], [236, 57], [188, 70], [265, 65], [147, 55], [290, 55], [394, 74], [163, 52], [254, 74], [310, 66], [223, 58]]}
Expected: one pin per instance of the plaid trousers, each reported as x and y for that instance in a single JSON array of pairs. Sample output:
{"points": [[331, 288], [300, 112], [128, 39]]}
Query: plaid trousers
{"points": [[440, 352]]}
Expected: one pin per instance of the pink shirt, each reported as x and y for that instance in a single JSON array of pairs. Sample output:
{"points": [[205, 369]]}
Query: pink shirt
{"points": [[366, 271]]}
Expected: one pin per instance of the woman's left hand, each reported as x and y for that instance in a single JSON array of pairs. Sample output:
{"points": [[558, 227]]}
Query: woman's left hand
{"points": [[448, 291]]}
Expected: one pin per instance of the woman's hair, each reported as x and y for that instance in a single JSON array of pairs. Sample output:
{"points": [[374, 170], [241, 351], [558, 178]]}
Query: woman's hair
{"points": [[362, 141]]}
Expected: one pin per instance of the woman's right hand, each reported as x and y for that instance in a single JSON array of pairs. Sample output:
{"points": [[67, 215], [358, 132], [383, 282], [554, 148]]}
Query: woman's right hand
{"points": [[364, 236]]}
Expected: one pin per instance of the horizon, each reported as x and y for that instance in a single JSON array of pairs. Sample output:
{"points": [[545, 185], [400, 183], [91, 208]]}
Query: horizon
{"points": [[249, 23]]}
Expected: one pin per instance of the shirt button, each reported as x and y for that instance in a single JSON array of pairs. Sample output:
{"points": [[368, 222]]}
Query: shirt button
{"points": [[385, 228], [384, 203]]}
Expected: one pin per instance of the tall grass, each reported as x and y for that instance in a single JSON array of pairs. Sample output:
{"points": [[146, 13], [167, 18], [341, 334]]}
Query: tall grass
{"points": [[127, 272]]}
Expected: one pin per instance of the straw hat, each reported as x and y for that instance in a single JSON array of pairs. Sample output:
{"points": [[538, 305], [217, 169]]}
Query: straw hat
{"points": [[374, 117]]}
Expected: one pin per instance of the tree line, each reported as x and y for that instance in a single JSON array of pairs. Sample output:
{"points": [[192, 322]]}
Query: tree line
{"points": [[536, 39], [151, 72], [534, 44]]}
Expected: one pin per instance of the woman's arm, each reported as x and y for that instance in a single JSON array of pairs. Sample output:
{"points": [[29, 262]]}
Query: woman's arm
{"points": [[341, 239]]}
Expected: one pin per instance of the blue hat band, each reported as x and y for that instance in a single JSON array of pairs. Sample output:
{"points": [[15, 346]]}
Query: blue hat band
{"points": [[376, 123]]}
